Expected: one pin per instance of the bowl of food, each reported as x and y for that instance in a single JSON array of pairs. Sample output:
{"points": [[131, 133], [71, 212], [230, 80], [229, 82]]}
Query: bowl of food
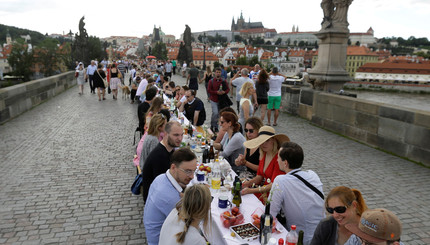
{"points": [[232, 217]]}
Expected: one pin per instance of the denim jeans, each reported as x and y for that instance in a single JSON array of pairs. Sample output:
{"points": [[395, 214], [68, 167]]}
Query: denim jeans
{"points": [[214, 117]]}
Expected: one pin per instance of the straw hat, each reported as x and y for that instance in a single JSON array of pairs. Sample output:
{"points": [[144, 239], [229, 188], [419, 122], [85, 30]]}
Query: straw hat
{"points": [[265, 133]]}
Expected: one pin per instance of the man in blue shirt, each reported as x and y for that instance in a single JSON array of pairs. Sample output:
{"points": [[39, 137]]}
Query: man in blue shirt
{"points": [[166, 191], [90, 73], [223, 73]]}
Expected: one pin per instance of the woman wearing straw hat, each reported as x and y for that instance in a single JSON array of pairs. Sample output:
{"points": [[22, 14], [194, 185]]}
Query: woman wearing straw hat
{"points": [[268, 168], [232, 143]]}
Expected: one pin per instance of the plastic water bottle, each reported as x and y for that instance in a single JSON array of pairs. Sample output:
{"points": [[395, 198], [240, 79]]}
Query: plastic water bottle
{"points": [[292, 236]]}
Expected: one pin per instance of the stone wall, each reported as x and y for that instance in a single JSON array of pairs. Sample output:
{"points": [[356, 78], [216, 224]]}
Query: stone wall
{"points": [[20, 98], [404, 132]]}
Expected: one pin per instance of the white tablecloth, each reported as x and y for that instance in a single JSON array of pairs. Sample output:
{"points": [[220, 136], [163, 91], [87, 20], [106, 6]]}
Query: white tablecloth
{"points": [[249, 204]]}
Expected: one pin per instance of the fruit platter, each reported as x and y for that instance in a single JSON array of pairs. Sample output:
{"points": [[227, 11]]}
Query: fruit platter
{"points": [[232, 217]]}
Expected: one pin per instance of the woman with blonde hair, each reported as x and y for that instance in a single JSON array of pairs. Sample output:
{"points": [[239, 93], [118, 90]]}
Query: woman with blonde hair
{"points": [[268, 168], [155, 108], [152, 137], [246, 109], [345, 206], [182, 225]]}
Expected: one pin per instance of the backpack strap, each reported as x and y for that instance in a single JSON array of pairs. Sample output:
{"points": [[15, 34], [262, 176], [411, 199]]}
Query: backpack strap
{"points": [[308, 184]]}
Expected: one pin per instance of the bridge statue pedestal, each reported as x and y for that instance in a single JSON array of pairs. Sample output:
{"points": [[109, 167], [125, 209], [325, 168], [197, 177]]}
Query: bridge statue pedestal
{"points": [[329, 73]]}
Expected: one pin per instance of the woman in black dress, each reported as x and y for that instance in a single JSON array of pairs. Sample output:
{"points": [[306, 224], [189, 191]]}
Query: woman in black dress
{"points": [[251, 157], [98, 77]]}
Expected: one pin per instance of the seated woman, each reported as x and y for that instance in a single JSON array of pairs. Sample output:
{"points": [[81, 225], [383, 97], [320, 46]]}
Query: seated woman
{"points": [[232, 143], [221, 132], [251, 157], [152, 137], [155, 108], [345, 206], [246, 108], [182, 224], [268, 168]]}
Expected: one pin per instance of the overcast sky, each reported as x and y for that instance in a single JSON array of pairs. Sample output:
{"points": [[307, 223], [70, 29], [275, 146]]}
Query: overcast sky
{"points": [[400, 18]]}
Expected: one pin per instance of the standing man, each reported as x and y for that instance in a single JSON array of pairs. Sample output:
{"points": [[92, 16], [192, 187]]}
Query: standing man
{"points": [[158, 161], [184, 68], [168, 69], [238, 80], [193, 77], [121, 67], [254, 73], [174, 66], [223, 73], [90, 73], [166, 191], [214, 90], [194, 108], [132, 74], [143, 108], [302, 206], [275, 94]]}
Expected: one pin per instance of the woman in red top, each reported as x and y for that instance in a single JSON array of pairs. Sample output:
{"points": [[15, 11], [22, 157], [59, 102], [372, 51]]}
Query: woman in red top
{"points": [[268, 168]]}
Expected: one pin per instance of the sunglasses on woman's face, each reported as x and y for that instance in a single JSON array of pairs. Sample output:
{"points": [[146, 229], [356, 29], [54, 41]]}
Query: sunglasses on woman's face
{"points": [[249, 130], [339, 209]]}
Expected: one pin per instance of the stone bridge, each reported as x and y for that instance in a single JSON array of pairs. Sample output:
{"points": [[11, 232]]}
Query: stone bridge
{"points": [[66, 171]]}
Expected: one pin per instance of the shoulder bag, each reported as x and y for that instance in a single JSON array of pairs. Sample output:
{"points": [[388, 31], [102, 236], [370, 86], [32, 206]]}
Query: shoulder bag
{"points": [[103, 79]]}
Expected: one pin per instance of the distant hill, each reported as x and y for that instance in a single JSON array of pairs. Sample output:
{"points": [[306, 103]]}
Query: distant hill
{"points": [[36, 37]]}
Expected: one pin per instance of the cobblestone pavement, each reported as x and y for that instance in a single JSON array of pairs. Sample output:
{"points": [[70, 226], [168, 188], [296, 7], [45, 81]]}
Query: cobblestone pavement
{"points": [[66, 170]]}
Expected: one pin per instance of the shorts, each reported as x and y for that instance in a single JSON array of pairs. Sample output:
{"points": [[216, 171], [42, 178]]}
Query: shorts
{"points": [[262, 101], [274, 102]]}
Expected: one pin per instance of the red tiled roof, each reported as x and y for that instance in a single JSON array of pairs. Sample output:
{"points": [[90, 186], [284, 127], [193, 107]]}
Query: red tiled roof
{"points": [[398, 68], [359, 50], [198, 55]]}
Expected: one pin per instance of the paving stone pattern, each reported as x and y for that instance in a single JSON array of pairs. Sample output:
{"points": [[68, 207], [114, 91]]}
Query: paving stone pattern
{"points": [[66, 170]]}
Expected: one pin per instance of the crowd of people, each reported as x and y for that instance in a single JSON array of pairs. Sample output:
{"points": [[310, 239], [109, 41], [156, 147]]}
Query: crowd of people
{"points": [[268, 162]]}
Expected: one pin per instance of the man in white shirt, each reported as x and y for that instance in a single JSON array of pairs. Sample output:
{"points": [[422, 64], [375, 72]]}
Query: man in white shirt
{"points": [[238, 82], [298, 193], [142, 87], [275, 94]]}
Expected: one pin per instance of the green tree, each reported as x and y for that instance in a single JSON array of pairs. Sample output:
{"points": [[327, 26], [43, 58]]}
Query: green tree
{"points": [[48, 56], [217, 64], [268, 43], [21, 60], [253, 61], [242, 60], [278, 41], [95, 49], [160, 51], [238, 38], [302, 43], [357, 43]]}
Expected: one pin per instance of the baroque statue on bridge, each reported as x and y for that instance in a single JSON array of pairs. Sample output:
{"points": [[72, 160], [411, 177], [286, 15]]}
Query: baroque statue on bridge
{"points": [[335, 14]]}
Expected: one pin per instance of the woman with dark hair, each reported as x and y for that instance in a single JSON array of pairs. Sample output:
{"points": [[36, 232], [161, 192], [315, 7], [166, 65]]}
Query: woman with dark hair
{"points": [[98, 77], [155, 108], [251, 157], [345, 206], [115, 80], [261, 88], [232, 143], [182, 225]]}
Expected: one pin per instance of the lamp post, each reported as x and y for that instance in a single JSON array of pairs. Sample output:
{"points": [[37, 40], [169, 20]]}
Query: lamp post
{"points": [[204, 51]]}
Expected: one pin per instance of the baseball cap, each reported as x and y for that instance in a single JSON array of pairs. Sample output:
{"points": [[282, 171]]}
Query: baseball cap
{"points": [[377, 225]]}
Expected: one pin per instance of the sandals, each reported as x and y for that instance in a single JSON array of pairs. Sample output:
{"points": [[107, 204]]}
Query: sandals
{"points": [[275, 124]]}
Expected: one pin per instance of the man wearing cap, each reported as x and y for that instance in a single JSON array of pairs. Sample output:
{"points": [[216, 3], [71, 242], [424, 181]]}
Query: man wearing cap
{"points": [[377, 226], [297, 193]]}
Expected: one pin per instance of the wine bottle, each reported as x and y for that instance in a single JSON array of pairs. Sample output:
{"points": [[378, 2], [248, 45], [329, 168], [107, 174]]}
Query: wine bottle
{"points": [[237, 199], [301, 235], [266, 220], [211, 155]]}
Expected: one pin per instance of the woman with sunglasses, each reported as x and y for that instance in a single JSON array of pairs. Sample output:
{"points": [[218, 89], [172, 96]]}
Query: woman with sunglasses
{"points": [[232, 143], [268, 143], [251, 157], [345, 206], [152, 137]]}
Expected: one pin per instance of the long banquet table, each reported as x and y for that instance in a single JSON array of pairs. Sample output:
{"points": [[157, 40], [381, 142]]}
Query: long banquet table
{"points": [[221, 235]]}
